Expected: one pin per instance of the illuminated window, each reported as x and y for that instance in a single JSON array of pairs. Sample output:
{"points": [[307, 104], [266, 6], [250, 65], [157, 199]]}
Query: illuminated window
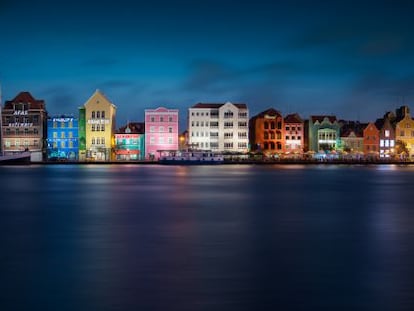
{"points": [[17, 142], [54, 124], [70, 134], [387, 133], [387, 143], [62, 135], [392, 143], [381, 143], [62, 144], [70, 124], [62, 124]]}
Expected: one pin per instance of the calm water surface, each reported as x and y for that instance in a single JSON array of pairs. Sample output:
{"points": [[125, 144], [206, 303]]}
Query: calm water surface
{"points": [[206, 238]]}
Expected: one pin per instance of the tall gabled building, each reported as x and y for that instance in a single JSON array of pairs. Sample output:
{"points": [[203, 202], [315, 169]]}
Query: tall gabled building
{"points": [[219, 127], [24, 125], [386, 135], [294, 134], [97, 128], [404, 130]]}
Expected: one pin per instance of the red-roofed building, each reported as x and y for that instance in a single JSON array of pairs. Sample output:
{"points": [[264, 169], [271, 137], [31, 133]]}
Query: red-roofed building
{"points": [[24, 125]]}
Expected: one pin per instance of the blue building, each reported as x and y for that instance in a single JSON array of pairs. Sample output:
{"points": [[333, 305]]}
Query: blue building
{"points": [[62, 138]]}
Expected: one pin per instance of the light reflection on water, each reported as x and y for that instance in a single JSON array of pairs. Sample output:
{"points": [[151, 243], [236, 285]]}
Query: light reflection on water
{"points": [[206, 238]]}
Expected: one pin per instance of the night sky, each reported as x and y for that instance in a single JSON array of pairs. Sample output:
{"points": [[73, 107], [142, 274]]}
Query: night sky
{"points": [[352, 59]]}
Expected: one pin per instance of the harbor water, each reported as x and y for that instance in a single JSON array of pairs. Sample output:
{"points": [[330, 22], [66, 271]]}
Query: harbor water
{"points": [[226, 237]]}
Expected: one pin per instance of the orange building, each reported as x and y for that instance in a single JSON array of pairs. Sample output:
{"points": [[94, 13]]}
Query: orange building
{"points": [[371, 141], [266, 131]]}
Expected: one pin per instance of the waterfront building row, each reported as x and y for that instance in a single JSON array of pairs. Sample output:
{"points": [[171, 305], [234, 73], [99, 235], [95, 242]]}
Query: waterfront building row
{"points": [[223, 127]]}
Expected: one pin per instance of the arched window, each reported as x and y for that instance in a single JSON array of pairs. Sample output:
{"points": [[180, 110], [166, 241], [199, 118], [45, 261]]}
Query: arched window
{"points": [[266, 135], [266, 125], [272, 145]]}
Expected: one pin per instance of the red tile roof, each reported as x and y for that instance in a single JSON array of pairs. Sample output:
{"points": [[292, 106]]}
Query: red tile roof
{"points": [[216, 106], [135, 127], [293, 118], [25, 97]]}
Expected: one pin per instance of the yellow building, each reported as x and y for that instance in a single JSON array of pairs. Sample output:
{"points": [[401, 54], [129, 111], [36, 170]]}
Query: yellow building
{"points": [[99, 128], [404, 130]]}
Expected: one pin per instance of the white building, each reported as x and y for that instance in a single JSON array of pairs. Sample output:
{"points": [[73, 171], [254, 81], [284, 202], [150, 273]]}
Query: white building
{"points": [[219, 127]]}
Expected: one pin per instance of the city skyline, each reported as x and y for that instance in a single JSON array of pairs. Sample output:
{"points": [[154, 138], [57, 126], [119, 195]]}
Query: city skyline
{"points": [[352, 60]]}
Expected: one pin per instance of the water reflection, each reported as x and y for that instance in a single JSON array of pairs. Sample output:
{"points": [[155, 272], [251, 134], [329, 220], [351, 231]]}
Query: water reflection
{"points": [[206, 238]]}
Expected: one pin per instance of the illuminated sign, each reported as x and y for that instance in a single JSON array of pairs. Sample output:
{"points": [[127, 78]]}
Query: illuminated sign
{"points": [[20, 113], [62, 119], [126, 136], [94, 121], [20, 124]]}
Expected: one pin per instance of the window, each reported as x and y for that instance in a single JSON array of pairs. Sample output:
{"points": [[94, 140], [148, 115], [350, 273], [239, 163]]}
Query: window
{"points": [[62, 124], [98, 141], [242, 135], [161, 119], [55, 135], [287, 128], [70, 124], [62, 144], [228, 135], [170, 140], [161, 140], [152, 119], [387, 143], [402, 133], [103, 114], [170, 119], [242, 114], [228, 145], [152, 129], [35, 131], [62, 135], [93, 114], [93, 140], [98, 114], [70, 134], [266, 135], [228, 124], [381, 143], [54, 124], [272, 125], [266, 125], [192, 123], [279, 125], [70, 144], [392, 143], [93, 127], [98, 127], [387, 133], [102, 127], [26, 131], [170, 129], [103, 141], [161, 129], [228, 114], [152, 140]]}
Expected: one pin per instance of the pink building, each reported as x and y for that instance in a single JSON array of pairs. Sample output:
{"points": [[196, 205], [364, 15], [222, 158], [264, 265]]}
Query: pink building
{"points": [[161, 131]]}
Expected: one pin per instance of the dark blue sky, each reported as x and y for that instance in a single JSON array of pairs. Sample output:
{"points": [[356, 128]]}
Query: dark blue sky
{"points": [[350, 58]]}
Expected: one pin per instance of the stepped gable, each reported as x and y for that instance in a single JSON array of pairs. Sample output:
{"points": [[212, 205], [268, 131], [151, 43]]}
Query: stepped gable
{"points": [[25, 97], [320, 119], [217, 105]]}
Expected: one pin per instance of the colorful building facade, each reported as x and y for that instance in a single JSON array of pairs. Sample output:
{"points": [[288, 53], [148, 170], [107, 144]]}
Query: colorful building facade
{"points": [[386, 136], [222, 127], [267, 132], [294, 134], [62, 138], [24, 125], [404, 132], [324, 133], [130, 142], [98, 115], [371, 141], [161, 131]]}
